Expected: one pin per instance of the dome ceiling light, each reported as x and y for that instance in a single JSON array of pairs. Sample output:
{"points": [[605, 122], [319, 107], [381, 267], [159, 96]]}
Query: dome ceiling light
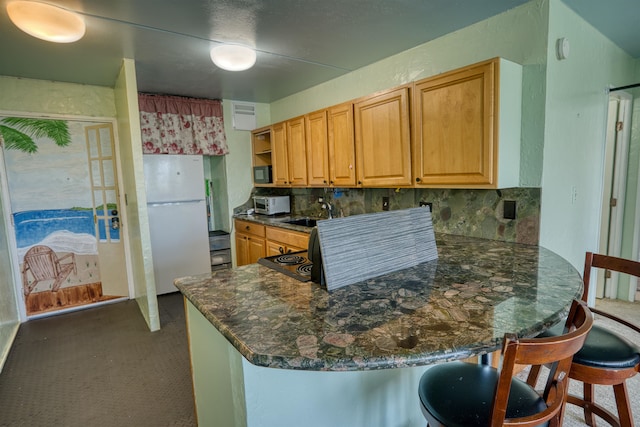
{"points": [[46, 22], [233, 57]]}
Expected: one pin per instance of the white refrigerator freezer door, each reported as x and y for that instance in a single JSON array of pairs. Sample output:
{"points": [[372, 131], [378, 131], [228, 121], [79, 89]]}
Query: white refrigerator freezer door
{"points": [[170, 177], [179, 242]]}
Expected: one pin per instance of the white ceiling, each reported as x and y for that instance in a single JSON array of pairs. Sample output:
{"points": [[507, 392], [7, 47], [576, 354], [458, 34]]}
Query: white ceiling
{"points": [[300, 43]]}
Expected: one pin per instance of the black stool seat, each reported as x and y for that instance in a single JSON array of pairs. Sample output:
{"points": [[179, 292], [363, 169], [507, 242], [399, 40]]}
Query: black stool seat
{"points": [[603, 349], [461, 394], [606, 349]]}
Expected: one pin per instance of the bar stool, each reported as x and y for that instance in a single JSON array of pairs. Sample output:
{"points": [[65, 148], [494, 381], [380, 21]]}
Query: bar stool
{"points": [[606, 357], [463, 394]]}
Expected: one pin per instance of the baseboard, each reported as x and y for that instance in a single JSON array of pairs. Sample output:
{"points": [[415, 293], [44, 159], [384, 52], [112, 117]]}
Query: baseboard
{"points": [[8, 334]]}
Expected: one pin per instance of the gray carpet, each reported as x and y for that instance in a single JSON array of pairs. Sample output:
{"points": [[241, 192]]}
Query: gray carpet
{"points": [[100, 367]]}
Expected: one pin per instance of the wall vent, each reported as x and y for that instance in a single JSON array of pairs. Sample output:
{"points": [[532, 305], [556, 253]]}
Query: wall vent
{"points": [[244, 116]]}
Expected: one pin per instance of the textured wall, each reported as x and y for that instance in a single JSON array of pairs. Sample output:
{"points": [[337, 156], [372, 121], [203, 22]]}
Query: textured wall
{"points": [[574, 138], [9, 317], [40, 96], [137, 229]]}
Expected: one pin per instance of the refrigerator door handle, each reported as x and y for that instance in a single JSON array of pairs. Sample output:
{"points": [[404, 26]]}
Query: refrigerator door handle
{"points": [[177, 202]]}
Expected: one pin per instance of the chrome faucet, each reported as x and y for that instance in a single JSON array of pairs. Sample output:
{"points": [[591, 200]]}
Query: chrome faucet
{"points": [[329, 208]]}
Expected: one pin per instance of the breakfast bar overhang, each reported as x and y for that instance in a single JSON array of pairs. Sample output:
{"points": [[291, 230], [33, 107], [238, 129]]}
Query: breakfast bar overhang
{"points": [[267, 350]]}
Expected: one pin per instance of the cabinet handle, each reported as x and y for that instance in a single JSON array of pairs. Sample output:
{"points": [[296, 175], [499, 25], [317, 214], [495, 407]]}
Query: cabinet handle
{"points": [[324, 182], [418, 179], [359, 182], [248, 227], [281, 249], [331, 182], [289, 251]]}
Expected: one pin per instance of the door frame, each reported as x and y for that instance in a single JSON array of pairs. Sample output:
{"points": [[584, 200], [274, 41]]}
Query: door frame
{"points": [[9, 225], [616, 158]]}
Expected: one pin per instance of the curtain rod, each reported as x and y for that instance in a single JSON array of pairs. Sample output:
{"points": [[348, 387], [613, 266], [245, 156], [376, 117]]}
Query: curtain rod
{"points": [[624, 87]]}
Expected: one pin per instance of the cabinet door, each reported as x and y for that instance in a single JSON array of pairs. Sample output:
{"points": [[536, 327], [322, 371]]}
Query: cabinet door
{"points": [[342, 151], [242, 250], [317, 150], [274, 248], [454, 128], [297, 151], [279, 158], [256, 249], [383, 146], [287, 238]]}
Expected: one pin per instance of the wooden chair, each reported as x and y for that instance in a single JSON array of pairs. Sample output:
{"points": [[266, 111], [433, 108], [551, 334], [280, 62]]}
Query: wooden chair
{"points": [[43, 264], [606, 357], [465, 394]]}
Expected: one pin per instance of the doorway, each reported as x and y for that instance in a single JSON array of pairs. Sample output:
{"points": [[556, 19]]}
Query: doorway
{"points": [[614, 188], [64, 203]]}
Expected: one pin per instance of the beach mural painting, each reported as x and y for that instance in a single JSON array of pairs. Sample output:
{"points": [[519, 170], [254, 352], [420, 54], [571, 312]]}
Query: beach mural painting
{"points": [[62, 187]]}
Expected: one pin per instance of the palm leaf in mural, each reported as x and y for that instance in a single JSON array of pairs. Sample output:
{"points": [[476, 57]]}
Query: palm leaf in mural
{"points": [[19, 133]]}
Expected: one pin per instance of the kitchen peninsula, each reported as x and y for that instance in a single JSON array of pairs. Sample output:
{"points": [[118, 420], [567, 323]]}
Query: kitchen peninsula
{"points": [[268, 350]]}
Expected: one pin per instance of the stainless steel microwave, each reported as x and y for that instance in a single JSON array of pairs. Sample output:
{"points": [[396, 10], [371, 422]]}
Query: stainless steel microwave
{"points": [[262, 175]]}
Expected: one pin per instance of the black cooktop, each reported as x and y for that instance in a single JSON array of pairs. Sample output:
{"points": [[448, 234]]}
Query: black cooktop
{"points": [[295, 264]]}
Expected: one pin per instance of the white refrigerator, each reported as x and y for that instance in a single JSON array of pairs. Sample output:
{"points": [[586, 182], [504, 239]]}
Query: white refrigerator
{"points": [[175, 190]]}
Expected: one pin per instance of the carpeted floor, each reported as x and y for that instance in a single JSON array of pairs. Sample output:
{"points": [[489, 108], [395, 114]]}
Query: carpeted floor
{"points": [[102, 367]]}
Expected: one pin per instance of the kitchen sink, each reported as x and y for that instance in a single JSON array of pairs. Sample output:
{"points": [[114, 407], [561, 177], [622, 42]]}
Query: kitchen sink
{"points": [[305, 222]]}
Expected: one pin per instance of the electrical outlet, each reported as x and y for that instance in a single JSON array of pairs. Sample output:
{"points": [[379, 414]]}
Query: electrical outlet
{"points": [[385, 203], [428, 205], [509, 209]]}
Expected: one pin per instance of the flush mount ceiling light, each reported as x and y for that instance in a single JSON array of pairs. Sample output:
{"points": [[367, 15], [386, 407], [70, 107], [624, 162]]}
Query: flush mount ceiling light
{"points": [[233, 57], [46, 22]]}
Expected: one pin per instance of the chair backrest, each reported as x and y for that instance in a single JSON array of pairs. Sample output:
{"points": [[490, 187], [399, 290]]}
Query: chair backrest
{"points": [[43, 262], [557, 352], [607, 262], [612, 263]]}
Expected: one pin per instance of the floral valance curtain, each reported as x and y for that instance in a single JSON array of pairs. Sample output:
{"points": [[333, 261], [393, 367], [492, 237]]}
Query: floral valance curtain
{"points": [[177, 125]]}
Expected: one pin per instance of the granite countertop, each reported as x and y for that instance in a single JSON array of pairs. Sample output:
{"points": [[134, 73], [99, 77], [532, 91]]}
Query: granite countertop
{"points": [[276, 220], [456, 307]]}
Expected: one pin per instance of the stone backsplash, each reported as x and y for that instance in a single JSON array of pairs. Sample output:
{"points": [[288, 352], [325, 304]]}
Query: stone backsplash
{"points": [[476, 213]]}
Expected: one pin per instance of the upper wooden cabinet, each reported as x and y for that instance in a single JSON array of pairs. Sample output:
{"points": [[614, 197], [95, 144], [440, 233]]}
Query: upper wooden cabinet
{"points": [[459, 119], [279, 154], [297, 151], [317, 149], [261, 149], [342, 150], [462, 131], [289, 153], [382, 135]]}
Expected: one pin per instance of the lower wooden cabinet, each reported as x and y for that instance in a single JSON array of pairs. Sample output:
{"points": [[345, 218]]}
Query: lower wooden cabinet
{"points": [[250, 242], [281, 241], [254, 241]]}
